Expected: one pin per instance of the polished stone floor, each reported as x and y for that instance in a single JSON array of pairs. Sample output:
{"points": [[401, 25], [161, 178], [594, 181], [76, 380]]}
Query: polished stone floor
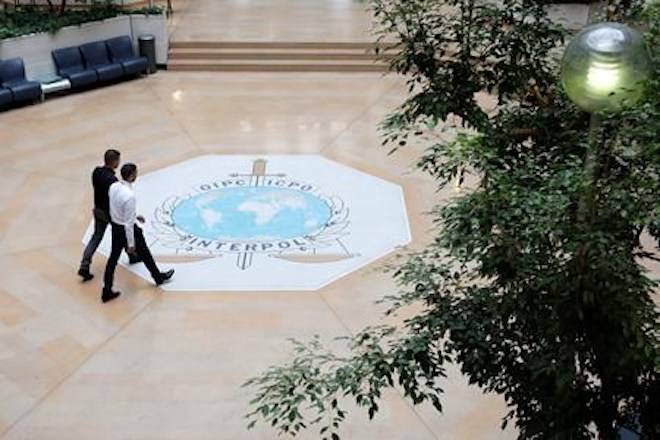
{"points": [[298, 20], [167, 365], [269, 20]]}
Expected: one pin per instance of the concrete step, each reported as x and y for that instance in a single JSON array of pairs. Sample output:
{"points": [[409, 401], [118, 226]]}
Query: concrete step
{"points": [[204, 65], [278, 54], [292, 45]]}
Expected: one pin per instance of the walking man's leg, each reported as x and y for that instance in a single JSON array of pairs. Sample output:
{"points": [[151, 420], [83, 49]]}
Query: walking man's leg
{"points": [[100, 226], [118, 244], [145, 254]]}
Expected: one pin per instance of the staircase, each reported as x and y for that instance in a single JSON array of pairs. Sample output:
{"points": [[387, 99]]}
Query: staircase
{"points": [[278, 56]]}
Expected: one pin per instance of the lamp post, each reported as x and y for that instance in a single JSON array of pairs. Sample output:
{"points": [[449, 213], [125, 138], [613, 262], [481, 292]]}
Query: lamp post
{"points": [[603, 69]]}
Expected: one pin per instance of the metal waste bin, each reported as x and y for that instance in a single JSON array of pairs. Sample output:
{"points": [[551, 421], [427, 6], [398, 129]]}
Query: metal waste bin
{"points": [[147, 44]]}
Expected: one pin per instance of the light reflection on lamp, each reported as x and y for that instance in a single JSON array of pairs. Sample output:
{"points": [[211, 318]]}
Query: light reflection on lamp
{"points": [[603, 79], [604, 66]]}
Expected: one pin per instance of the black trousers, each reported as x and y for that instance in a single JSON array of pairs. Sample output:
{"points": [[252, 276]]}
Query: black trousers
{"points": [[101, 222], [119, 242]]}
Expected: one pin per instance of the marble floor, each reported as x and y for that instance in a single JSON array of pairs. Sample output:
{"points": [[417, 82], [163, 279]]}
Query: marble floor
{"points": [[155, 365], [268, 20], [298, 20]]}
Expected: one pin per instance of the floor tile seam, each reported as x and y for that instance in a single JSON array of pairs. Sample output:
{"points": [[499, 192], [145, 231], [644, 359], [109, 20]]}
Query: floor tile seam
{"points": [[173, 115], [28, 175], [58, 244], [19, 254], [405, 401], [73, 269], [68, 376], [399, 392], [329, 145], [17, 169], [358, 117], [418, 416]]}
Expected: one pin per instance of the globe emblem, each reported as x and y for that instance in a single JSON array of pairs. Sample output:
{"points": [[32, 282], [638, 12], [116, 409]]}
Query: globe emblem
{"points": [[252, 214]]}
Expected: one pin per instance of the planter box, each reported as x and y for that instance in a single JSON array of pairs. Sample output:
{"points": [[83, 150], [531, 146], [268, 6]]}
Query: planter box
{"points": [[36, 49]]}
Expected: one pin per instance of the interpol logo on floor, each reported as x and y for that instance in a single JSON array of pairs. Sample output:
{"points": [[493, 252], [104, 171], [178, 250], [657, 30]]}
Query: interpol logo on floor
{"points": [[274, 222]]}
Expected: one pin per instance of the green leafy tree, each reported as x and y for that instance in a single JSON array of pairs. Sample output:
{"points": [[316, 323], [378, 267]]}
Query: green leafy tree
{"points": [[25, 21], [534, 284]]}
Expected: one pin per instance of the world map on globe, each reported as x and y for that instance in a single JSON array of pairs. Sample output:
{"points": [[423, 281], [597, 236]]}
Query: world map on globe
{"points": [[252, 214]]}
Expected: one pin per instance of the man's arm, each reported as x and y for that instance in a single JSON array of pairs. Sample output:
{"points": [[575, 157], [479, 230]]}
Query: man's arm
{"points": [[130, 222], [96, 177]]}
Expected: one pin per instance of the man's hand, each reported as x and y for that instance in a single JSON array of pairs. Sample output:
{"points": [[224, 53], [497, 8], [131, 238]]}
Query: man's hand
{"points": [[131, 250], [140, 219]]}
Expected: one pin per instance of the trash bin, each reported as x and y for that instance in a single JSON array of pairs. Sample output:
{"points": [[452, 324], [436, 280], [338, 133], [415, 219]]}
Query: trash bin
{"points": [[147, 43]]}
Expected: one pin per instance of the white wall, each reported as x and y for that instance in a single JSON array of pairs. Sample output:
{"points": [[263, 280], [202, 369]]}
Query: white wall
{"points": [[155, 25], [36, 49]]}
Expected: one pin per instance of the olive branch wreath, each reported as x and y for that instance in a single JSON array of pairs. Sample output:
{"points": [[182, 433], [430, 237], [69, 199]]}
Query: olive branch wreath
{"points": [[169, 235]]}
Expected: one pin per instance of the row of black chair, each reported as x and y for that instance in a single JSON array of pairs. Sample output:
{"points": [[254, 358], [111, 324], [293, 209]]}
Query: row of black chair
{"points": [[83, 66], [98, 61], [14, 87]]}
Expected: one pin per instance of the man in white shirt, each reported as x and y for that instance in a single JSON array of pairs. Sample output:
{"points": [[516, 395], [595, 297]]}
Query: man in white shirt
{"points": [[102, 178], [127, 233]]}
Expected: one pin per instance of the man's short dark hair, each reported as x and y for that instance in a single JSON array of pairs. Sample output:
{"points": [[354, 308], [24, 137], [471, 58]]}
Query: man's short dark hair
{"points": [[128, 170], [111, 156]]}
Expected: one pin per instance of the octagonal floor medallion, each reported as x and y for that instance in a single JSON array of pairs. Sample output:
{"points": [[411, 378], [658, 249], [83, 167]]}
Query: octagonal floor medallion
{"points": [[265, 223]]}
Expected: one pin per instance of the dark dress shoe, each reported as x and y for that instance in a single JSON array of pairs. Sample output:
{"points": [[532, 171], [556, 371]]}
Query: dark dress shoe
{"points": [[86, 276], [109, 295], [134, 259], [165, 277]]}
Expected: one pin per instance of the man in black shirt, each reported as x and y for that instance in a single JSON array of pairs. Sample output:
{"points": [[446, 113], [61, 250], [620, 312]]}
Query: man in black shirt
{"points": [[102, 178]]}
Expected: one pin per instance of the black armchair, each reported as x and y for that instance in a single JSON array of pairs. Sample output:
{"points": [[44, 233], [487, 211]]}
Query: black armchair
{"points": [[69, 64], [96, 57], [121, 51], [5, 96], [12, 77]]}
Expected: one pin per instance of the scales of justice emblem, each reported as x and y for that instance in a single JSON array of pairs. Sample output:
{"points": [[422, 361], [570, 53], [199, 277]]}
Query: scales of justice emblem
{"points": [[255, 214]]}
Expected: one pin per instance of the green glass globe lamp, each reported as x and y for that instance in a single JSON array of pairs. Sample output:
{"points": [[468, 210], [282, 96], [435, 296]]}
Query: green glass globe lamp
{"points": [[604, 67]]}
